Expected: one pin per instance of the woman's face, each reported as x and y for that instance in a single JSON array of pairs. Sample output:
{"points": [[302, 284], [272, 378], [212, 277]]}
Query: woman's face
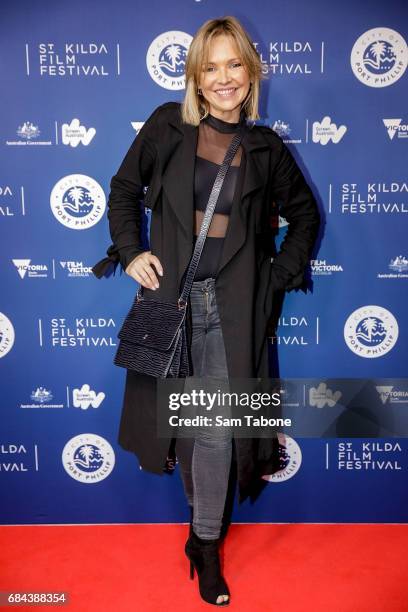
{"points": [[224, 80]]}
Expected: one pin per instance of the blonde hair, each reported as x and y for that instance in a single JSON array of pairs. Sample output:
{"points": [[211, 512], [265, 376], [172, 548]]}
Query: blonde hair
{"points": [[194, 106]]}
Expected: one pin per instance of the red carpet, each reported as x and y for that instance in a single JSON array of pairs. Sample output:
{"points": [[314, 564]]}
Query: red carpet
{"points": [[295, 568]]}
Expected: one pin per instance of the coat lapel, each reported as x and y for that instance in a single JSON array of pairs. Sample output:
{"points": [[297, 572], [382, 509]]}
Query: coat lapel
{"points": [[178, 183]]}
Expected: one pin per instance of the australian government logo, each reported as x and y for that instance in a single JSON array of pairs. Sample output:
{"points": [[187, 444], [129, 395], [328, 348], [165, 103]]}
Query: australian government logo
{"points": [[7, 335], [78, 201], [371, 331], [41, 397], [398, 268], [28, 134], [379, 57], [88, 458], [166, 59]]}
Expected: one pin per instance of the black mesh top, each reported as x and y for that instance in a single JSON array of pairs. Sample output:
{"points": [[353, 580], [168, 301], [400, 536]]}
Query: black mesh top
{"points": [[214, 137]]}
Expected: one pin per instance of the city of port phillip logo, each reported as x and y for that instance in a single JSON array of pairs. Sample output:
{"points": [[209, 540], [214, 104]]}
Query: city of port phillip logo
{"points": [[371, 331], [379, 57], [166, 59], [7, 335], [78, 201], [290, 459], [88, 458]]}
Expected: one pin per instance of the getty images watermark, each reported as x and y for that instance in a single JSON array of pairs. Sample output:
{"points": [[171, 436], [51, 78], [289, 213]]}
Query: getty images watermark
{"points": [[306, 408]]}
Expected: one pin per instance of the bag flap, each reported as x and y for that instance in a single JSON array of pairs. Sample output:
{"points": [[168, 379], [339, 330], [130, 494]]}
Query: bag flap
{"points": [[152, 324]]}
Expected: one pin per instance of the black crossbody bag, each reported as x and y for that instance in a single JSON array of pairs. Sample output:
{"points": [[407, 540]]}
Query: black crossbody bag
{"points": [[153, 339]]}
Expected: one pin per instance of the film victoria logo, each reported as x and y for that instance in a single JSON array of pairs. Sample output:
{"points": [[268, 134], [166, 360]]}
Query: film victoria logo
{"points": [[7, 335], [379, 57], [371, 331], [290, 459], [88, 458], [78, 201], [321, 267], [166, 59]]}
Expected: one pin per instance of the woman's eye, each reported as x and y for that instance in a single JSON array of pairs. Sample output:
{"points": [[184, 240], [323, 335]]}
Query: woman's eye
{"points": [[235, 64]]}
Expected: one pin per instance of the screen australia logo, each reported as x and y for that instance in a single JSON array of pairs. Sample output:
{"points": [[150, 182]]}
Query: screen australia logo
{"points": [[74, 134]]}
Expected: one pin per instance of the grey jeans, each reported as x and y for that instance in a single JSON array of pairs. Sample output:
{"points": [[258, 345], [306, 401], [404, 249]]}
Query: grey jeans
{"points": [[205, 459]]}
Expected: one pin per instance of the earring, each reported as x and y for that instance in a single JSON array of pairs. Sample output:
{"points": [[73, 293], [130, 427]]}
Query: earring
{"points": [[200, 93]]}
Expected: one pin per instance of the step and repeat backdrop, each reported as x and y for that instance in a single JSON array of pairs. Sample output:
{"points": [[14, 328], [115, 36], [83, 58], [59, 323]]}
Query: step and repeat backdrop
{"points": [[78, 81]]}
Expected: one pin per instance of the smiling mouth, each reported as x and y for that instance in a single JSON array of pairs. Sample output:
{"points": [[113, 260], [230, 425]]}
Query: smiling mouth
{"points": [[226, 93]]}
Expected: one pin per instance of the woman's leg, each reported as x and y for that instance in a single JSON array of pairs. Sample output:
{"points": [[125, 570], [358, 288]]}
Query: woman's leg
{"points": [[206, 476]]}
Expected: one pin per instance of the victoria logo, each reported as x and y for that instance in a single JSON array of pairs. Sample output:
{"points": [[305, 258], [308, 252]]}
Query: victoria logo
{"points": [[166, 59], [78, 201], [88, 458], [379, 57], [371, 331]]}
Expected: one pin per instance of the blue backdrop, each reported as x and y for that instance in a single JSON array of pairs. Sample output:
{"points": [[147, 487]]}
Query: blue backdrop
{"points": [[78, 81]]}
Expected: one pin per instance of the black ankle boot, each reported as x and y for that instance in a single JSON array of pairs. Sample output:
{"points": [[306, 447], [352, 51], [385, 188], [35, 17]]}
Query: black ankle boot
{"points": [[204, 558]]}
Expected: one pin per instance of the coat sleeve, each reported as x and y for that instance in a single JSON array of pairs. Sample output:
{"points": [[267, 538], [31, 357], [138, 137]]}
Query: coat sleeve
{"points": [[126, 191], [296, 204]]}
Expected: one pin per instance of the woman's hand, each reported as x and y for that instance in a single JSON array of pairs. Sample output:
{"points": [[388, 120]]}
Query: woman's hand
{"points": [[140, 268]]}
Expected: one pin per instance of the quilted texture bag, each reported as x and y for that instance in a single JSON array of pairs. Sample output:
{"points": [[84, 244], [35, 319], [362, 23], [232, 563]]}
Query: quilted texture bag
{"points": [[153, 339]]}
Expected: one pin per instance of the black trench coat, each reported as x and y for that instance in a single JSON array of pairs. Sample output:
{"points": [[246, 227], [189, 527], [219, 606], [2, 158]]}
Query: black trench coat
{"points": [[251, 274]]}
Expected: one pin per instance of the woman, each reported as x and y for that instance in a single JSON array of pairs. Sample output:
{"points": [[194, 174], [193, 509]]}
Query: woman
{"points": [[177, 154]]}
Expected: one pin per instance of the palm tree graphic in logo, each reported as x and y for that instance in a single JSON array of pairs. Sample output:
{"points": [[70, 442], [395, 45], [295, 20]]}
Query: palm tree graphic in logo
{"points": [[88, 458], [77, 201], [371, 331], [379, 57], [172, 60]]}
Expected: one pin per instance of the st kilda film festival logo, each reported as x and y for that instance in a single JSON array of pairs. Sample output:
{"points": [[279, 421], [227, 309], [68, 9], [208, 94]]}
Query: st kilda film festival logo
{"points": [[379, 57], [78, 201]]}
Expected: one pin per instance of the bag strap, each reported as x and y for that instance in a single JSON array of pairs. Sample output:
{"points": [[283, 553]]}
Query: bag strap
{"points": [[209, 211]]}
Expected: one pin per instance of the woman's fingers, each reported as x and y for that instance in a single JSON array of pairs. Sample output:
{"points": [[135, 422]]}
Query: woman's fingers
{"points": [[142, 271], [156, 262]]}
